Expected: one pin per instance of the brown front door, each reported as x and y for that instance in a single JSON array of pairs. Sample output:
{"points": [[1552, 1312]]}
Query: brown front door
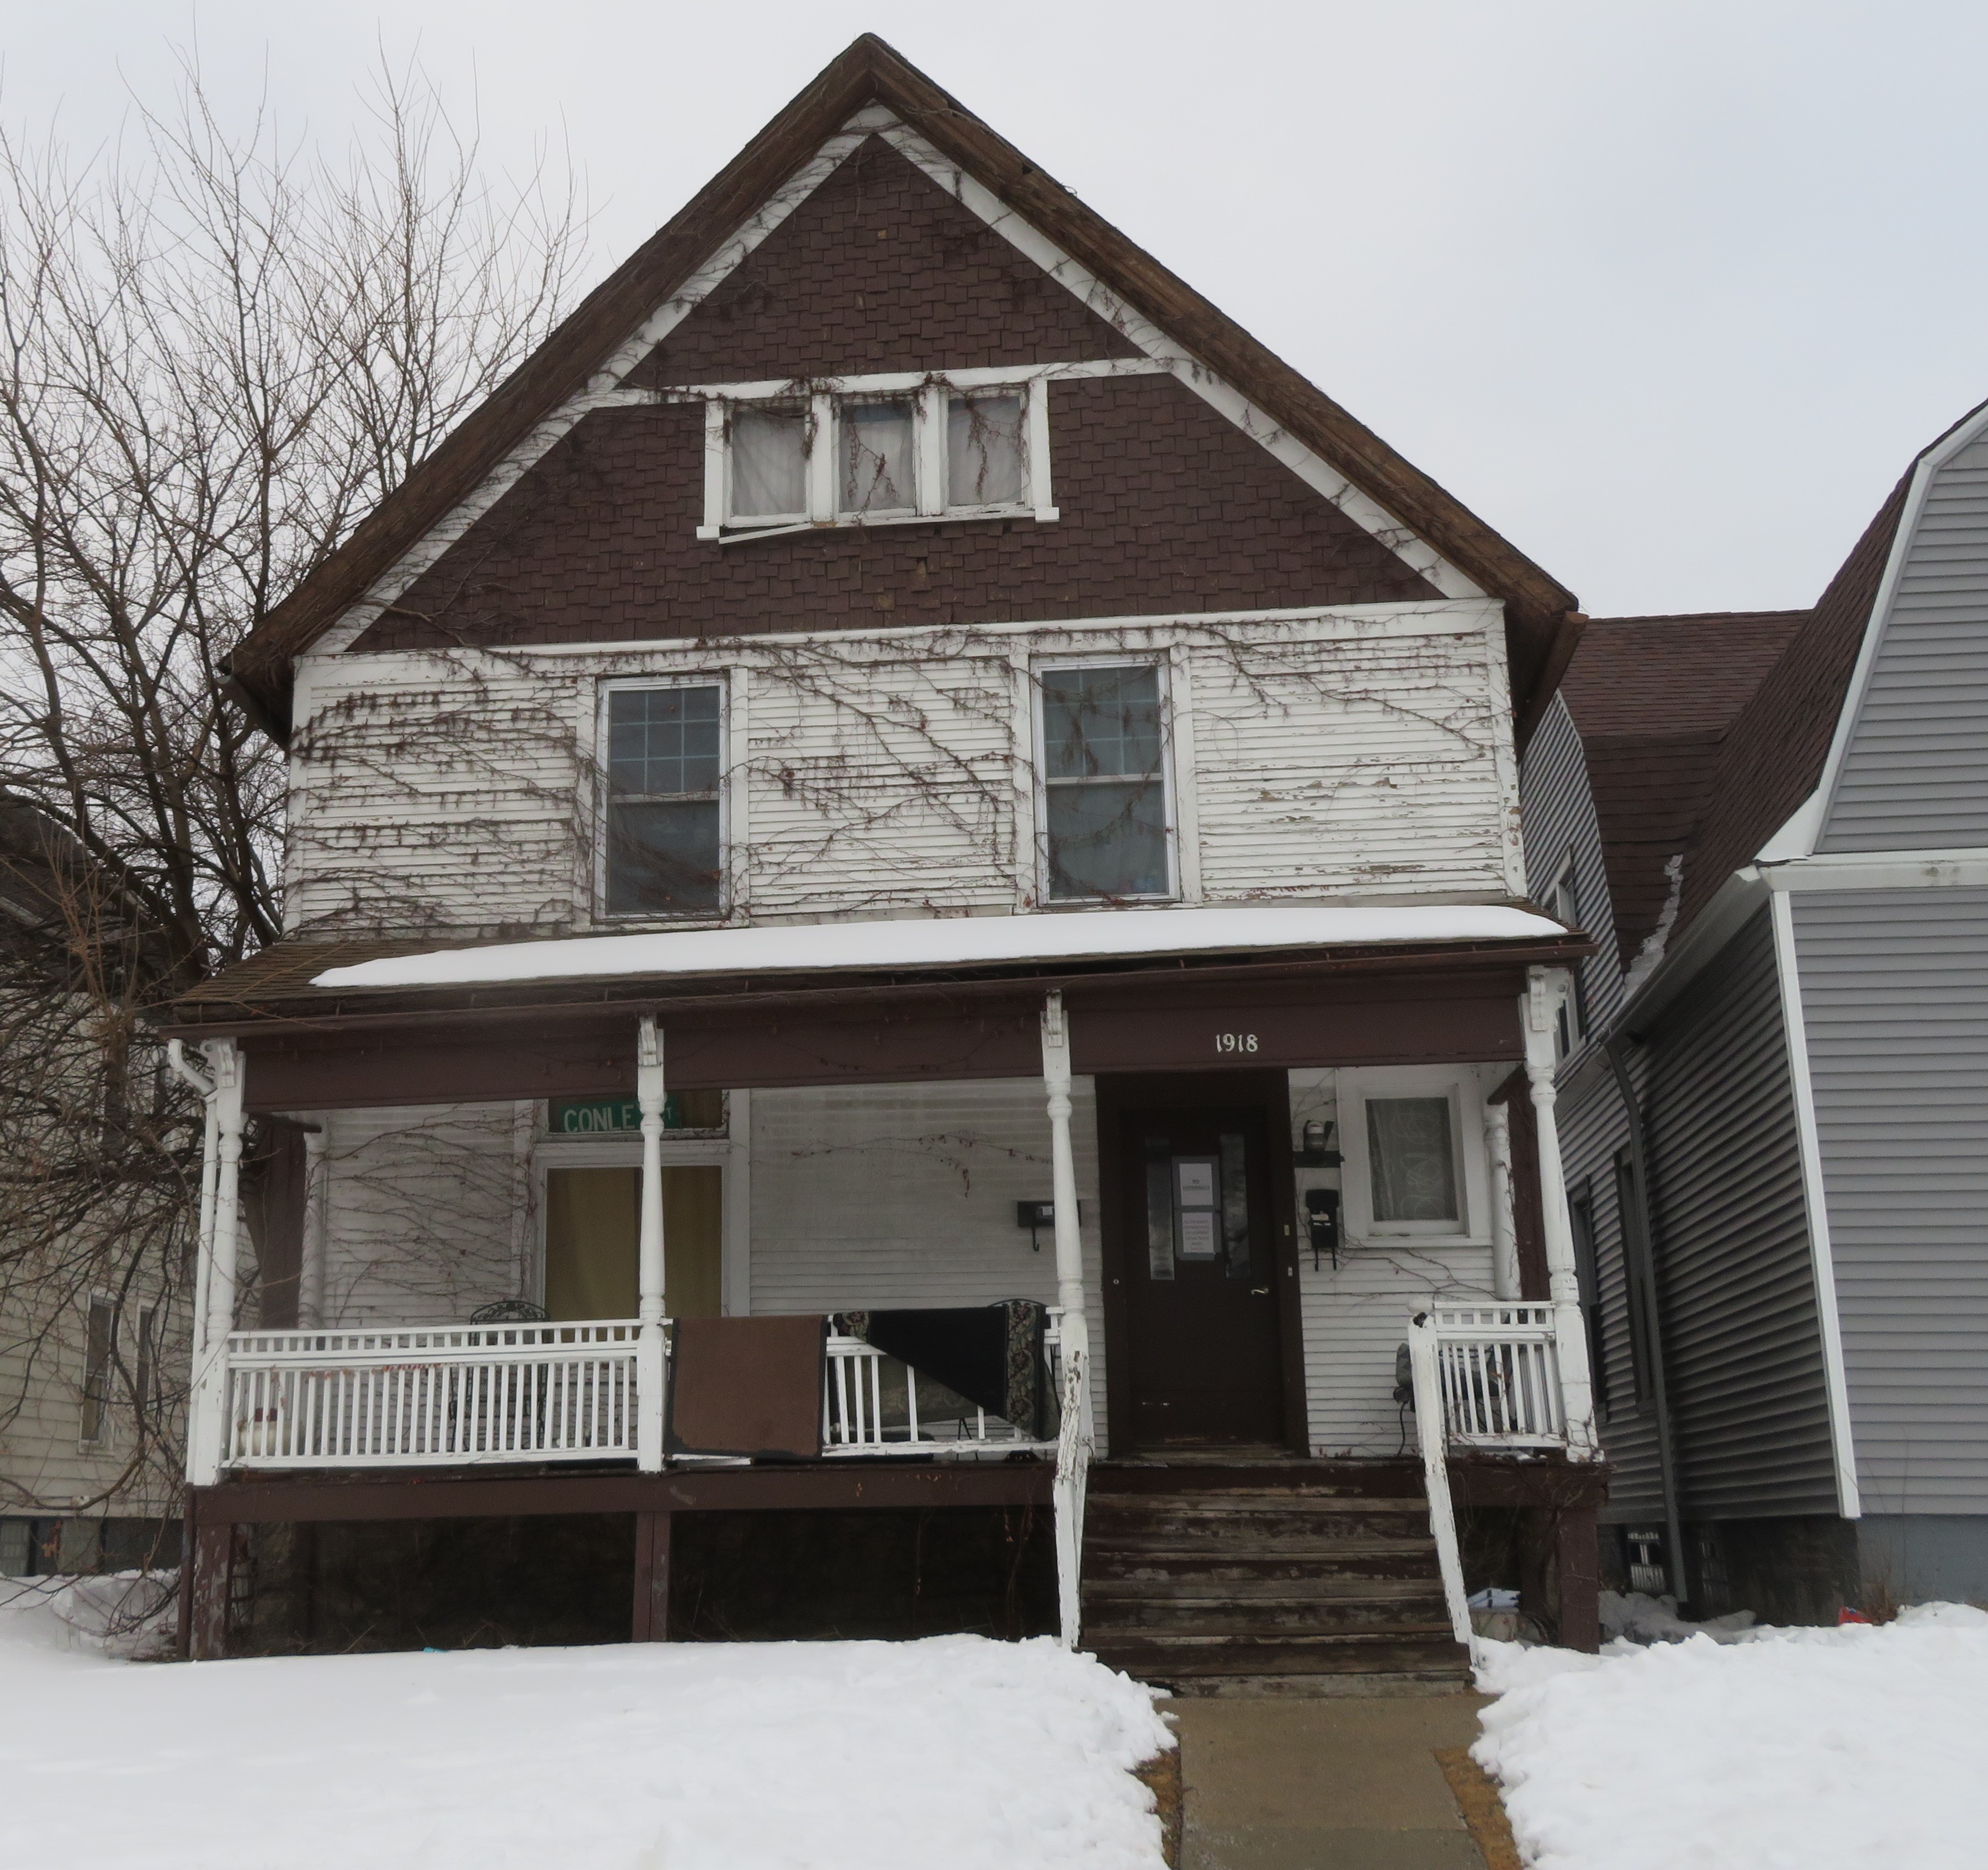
{"points": [[1196, 1267]]}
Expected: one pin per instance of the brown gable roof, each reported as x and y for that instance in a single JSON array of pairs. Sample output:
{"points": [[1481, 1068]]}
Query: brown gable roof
{"points": [[1542, 624], [1653, 698]]}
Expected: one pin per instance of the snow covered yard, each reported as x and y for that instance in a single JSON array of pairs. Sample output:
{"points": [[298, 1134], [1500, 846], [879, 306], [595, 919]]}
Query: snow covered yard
{"points": [[1824, 1749], [953, 1752]]}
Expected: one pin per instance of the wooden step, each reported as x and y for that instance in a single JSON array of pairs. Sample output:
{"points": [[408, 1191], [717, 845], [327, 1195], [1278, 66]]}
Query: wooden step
{"points": [[1326, 1563], [1162, 1658], [1371, 1480], [1245, 1519], [1112, 1619]]}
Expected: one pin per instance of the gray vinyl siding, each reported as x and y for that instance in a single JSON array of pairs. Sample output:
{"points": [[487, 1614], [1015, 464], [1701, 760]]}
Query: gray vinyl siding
{"points": [[1894, 997], [1558, 808], [1737, 1279], [1915, 775], [1592, 1128]]}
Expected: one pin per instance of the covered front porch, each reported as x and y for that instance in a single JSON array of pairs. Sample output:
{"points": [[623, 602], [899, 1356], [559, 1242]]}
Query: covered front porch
{"points": [[1147, 1254]]}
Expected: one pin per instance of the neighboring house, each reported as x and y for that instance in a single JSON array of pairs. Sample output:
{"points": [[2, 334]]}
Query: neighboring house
{"points": [[1775, 824], [93, 1334], [898, 798]]}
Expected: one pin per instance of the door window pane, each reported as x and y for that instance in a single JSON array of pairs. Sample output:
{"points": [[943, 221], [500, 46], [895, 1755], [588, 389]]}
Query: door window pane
{"points": [[879, 457], [769, 463], [1411, 1159], [664, 765], [1106, 802], [983, 452]]}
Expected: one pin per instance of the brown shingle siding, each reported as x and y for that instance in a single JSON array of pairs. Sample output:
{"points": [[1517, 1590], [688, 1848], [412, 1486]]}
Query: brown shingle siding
{"points": [[879, 269], [1166, 507]]}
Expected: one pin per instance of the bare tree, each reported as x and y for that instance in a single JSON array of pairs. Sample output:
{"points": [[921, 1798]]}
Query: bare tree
{"points": [[218, 349]]}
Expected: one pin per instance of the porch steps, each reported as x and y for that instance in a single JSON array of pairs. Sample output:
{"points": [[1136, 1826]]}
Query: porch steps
{"points": [[1280, 1576]]}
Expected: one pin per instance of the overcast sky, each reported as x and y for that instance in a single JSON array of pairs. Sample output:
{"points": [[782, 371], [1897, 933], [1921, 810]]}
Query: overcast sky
{"points": [[1669, 293]]}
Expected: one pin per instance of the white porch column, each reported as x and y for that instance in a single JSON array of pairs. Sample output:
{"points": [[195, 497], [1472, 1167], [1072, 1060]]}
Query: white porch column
{"points": [[317, 1196], [649, 1390], [207, 1408], [1504, 1232], [1078, 1435], [1546, 988]]}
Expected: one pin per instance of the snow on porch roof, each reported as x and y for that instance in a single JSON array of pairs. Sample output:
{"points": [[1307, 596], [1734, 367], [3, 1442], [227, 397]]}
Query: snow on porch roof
{"points": [[963, 941]]}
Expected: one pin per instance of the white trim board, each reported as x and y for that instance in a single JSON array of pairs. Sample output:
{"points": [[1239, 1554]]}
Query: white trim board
{"points": [[1835, 1382], [1879, 870], [604, 388]]}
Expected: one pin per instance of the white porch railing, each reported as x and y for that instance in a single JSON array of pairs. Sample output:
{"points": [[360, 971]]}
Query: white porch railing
{"points": [[1498, 1371], [444, 1395], [854, 1405]]}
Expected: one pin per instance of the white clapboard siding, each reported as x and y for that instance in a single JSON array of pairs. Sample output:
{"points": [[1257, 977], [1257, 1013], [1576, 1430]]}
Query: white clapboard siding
{"points": [[1332, 755], [1349, 763], [418, 1214], [1355, 1314], [879, 777], [904, 1195]]}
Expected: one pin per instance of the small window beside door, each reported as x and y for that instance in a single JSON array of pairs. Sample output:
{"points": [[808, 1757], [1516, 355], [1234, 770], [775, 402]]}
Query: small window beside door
{"points": [[664, 774], [1414, 1166], [1106, 833]]}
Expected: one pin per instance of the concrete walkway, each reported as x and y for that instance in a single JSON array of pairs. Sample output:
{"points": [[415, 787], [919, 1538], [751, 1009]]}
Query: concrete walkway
{"points": [[1340, 1783]]}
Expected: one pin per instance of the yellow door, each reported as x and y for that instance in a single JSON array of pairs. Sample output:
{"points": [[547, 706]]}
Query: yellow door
{"points": [[592, 1242]]}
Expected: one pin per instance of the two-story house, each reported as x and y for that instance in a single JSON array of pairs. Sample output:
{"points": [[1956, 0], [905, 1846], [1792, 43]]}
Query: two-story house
{"points": [[1773, 1094], [904, 870]]}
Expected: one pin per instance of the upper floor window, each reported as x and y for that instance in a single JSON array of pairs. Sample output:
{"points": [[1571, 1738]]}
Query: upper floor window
{"points": [[663, 850], [903, 450], [1563, 903], [1106, 829]]}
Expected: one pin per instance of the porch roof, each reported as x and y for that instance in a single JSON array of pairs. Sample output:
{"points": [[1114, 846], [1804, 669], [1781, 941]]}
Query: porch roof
{"points": [[949, 943]]}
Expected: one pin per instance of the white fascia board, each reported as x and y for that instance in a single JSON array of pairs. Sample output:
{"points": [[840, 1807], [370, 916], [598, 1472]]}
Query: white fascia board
{"points": [[1879, 870], [1929, 464], [1317, 473], [1346, 622], [1849, 1499], [1796, 838]]}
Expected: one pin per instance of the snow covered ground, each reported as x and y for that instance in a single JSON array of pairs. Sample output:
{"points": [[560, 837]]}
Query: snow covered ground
{"points": [[1759, 1749], [953, 1752]]}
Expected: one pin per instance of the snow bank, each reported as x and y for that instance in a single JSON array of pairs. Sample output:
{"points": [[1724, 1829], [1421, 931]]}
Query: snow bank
{"points": [[1824, 1749], [943, 942], [953, 1752], [123, 1614]]}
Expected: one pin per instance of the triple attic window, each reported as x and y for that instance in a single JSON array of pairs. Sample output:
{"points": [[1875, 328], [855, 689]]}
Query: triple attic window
{"points": [[932, 453]]}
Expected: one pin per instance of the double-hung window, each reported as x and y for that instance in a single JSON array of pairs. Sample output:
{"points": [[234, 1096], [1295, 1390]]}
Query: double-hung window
{"points": [[1564, 904], [1106, 824], [904, 449], [99, 1352], [663, 781]]}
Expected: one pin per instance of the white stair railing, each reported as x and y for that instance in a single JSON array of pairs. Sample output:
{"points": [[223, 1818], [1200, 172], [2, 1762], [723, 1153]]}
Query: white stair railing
{"points": [[1500, 1376], [1424, 1355], [1075, 1441]]}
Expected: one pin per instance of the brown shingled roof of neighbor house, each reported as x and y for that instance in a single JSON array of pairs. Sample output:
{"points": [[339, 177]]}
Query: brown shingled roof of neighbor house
{"points": [[1653, 697], [1543, 623]]}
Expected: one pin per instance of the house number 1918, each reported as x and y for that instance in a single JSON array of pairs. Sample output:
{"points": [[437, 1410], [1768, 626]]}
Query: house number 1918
{"points": [[1235, 1041]]}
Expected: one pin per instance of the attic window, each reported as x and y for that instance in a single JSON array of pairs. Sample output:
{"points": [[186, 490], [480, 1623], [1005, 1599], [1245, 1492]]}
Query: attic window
{"points": [[876, 451]]}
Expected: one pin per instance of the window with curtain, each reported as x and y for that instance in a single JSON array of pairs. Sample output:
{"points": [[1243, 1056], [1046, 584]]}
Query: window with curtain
{"points": [[664, 775], [770, 463], [1411, 1159], [986, 464], [1104, 783], [878, 468]]}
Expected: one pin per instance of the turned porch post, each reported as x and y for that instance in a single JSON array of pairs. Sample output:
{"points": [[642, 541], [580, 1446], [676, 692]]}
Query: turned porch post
{"points": [[214, 1279], [1077, 1434], [310, 1281], [649, 1394], [1545, 989], [1504, 1230]]}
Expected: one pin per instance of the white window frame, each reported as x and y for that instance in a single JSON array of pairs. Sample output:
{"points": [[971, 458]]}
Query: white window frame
{"points": [[1569, 1028], [1159, 660], [1459, 1085], [929, 394], [602, 817], [103, 1436]]}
